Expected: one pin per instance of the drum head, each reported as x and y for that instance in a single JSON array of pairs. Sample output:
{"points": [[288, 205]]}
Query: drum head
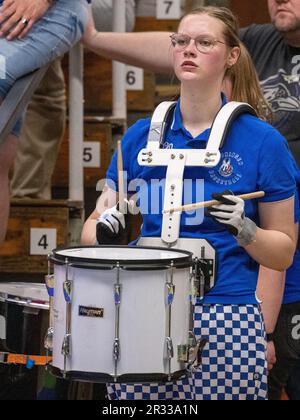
{"points": [[125, 256]]}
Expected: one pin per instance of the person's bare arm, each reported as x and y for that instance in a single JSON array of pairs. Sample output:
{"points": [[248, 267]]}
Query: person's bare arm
{"points": [[270, 290], [274, 244], [150, 50], [107, 200]]}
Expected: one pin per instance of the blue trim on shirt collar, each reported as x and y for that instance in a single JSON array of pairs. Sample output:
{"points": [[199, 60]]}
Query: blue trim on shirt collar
{"points": [[177, 124]]}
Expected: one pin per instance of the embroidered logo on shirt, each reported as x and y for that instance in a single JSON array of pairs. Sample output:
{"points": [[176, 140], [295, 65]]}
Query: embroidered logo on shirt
{"points": [[228, 172], [226, 169]]}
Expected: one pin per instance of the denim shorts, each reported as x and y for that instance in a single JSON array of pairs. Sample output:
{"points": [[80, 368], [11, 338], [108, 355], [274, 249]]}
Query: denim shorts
{"points": [[51, 37]]}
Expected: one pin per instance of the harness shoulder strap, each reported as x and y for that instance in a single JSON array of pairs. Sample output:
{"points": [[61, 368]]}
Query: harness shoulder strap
{"points": [[223, 122], [159, 124], [226, 116]]}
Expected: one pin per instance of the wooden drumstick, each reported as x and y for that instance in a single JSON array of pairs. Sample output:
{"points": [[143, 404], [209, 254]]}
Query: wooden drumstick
{"points": [[205, 204], [122, 194]]}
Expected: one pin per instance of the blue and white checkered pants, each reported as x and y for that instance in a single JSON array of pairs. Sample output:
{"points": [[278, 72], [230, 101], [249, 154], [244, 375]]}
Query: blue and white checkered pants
{"points": [[233, 366]]}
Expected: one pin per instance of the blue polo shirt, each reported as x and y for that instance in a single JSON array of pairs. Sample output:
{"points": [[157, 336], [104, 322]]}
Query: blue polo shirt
{"points": [[292, 283], [254, 157]]}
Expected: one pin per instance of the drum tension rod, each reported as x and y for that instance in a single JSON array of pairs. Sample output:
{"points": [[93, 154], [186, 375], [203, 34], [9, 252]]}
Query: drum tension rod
{"points": [[170, 298], [49, 280], [67, 289], [117, 298]]}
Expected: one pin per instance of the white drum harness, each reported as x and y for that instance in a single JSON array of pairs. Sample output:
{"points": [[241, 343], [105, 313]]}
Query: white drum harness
{"points": [[176, 160]]}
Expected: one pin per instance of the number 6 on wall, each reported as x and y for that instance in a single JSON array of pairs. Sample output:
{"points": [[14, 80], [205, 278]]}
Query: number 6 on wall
{"points": [[134, 78]]}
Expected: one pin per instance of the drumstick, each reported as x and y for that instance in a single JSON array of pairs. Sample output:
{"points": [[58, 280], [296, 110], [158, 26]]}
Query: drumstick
{"points": [[122, 195], [205, 204]]}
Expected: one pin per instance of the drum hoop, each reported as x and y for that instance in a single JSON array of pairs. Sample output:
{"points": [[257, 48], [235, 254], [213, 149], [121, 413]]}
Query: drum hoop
{"points": [[23, 301], [185, 261], [106, 378]]}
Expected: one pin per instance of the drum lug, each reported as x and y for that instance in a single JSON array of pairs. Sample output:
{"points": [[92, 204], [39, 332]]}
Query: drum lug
{"points": [[48, 341], [169, 355], [66, 346], [170, 348], [66, 351], [117, 349]]}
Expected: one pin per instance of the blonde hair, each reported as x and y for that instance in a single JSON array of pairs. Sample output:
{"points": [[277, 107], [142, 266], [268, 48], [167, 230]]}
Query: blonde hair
{"points": [[243, 75]]}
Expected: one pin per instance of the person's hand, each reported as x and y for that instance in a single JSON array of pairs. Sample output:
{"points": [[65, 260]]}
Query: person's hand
{"points": [[17, 17], [111, 225], [271, 355], [90, 32], [230, 212]]}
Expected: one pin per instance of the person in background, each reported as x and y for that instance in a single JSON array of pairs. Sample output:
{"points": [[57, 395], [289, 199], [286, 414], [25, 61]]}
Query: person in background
{"points": [[275, 49], [44, 123], [32, 34]]}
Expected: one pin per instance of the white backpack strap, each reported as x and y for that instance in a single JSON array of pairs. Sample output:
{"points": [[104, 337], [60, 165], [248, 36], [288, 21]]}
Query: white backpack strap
{"points": [[159, 124]]}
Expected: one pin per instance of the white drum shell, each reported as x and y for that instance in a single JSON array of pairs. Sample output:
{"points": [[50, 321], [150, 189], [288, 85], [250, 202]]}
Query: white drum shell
{"points": [[143, 320]]}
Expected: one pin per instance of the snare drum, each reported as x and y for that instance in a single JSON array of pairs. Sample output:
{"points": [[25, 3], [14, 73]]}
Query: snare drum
{"points": [[23, 306], [121, 313]]}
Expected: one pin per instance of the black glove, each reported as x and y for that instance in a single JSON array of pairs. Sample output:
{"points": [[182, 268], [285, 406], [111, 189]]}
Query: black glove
{"points": [[111, 226]]}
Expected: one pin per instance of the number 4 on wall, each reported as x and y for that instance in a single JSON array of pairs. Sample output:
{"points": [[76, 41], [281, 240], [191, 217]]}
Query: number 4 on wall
{"points": [[42, 241]]}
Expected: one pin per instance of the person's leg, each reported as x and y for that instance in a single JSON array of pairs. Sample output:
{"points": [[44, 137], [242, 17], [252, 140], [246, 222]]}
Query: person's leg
{"points": [[293, 386], [287, 351], [52, 36], [7, 155], [41, 136]]}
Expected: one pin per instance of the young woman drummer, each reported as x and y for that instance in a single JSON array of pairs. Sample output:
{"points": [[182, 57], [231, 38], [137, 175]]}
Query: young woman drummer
{"points": [[244, 234]]}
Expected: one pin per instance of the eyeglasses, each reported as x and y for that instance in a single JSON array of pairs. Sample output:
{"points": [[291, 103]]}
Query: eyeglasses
{"points": [[204, 44]]}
